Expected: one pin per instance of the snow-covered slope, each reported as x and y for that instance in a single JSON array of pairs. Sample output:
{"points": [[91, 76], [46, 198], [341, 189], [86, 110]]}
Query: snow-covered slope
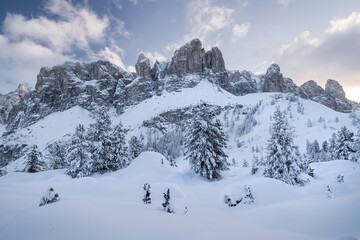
{"points": [[110, 206]]}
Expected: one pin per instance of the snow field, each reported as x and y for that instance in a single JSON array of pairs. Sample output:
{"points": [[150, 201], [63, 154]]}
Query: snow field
{"points": [[109, 206]]}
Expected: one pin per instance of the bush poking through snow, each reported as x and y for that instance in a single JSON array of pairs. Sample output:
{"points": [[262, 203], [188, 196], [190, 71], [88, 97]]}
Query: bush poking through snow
{"points": [[147, 198], [340, 178], [249, 198], [245, 163], [49, 197], [330, 195], [229, 202], [166, 205]]}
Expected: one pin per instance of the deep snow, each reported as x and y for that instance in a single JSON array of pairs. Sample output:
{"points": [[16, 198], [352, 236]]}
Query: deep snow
{"points": [[110, 207]]}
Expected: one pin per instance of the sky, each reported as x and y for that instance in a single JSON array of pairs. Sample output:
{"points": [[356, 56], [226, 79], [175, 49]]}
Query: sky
{"points": [[309, 39]]}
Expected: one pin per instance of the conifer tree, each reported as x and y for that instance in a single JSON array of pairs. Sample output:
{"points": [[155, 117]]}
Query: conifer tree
{"points": [[58, 152], [101, 143], [249, 198], [147, 198], [166, 205], [81, 163], [344, 145], [119, 149], [135, 147], [283, 158], [205, 144], [36, 162]]}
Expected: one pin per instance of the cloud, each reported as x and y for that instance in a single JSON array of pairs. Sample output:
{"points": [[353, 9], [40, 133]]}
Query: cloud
{"points": [[240, 31], [66, 32], [21, 61], [334, 56], [112, 55], [153, 56], [204, 20], [283, 3]]}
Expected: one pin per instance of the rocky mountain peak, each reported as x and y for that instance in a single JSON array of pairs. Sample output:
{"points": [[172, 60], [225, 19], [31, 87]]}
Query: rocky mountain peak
{"points": [[334, 89], [192, 58], [142, 66], [311, 89], [273, 79], [187, 59]]}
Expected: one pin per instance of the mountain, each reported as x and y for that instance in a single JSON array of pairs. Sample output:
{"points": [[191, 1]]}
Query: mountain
{"points": [[91, 85]]}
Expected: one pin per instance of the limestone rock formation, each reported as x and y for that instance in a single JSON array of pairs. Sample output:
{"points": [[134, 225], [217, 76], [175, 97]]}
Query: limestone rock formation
{"points": [[241, 83], [273, 79], [214, 60], [142, 67], [187, 59]]}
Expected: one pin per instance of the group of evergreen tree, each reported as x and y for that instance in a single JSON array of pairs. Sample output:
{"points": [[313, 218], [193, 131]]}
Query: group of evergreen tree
{"points": [[167, 207], [100, 148], [342, 145]]}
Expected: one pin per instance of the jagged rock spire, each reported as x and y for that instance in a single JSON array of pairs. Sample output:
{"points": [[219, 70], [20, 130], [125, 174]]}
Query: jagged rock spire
{"points": [[192, 58], [142, 66]]}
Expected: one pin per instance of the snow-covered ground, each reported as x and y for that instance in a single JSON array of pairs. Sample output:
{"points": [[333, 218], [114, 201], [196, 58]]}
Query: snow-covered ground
{"points": [[110, 206]]}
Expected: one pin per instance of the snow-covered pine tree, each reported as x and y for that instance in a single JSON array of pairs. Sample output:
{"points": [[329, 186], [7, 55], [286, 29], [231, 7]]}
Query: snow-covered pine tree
{"points": [[49, 197], [101, 143], [245, 163], [166, 205], [332, 147], [283, 158], [36, 162], [58, 153], [255, 165], [344, 144], [147, 198], [249, 198], [205, 144], [135, 147], [119, 149], [81, 163]]}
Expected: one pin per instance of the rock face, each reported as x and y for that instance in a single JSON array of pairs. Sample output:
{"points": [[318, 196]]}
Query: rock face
{"points": [[142, 67], [333, 96], [214, 60], [241, 83], [273, 79], [8, 102], [187, 59], [192, 58]]}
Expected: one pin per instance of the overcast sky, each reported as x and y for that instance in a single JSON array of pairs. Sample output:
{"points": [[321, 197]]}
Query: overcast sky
{"points": [[309, 39]]}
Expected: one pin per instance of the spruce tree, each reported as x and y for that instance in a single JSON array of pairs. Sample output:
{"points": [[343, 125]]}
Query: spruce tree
{"points": [[81, 163], [205, 144], [119, 149], [135, 147], [99, 135], [344, 145], [166, 205], [147, 198], [283, 158], [36, 162]]}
